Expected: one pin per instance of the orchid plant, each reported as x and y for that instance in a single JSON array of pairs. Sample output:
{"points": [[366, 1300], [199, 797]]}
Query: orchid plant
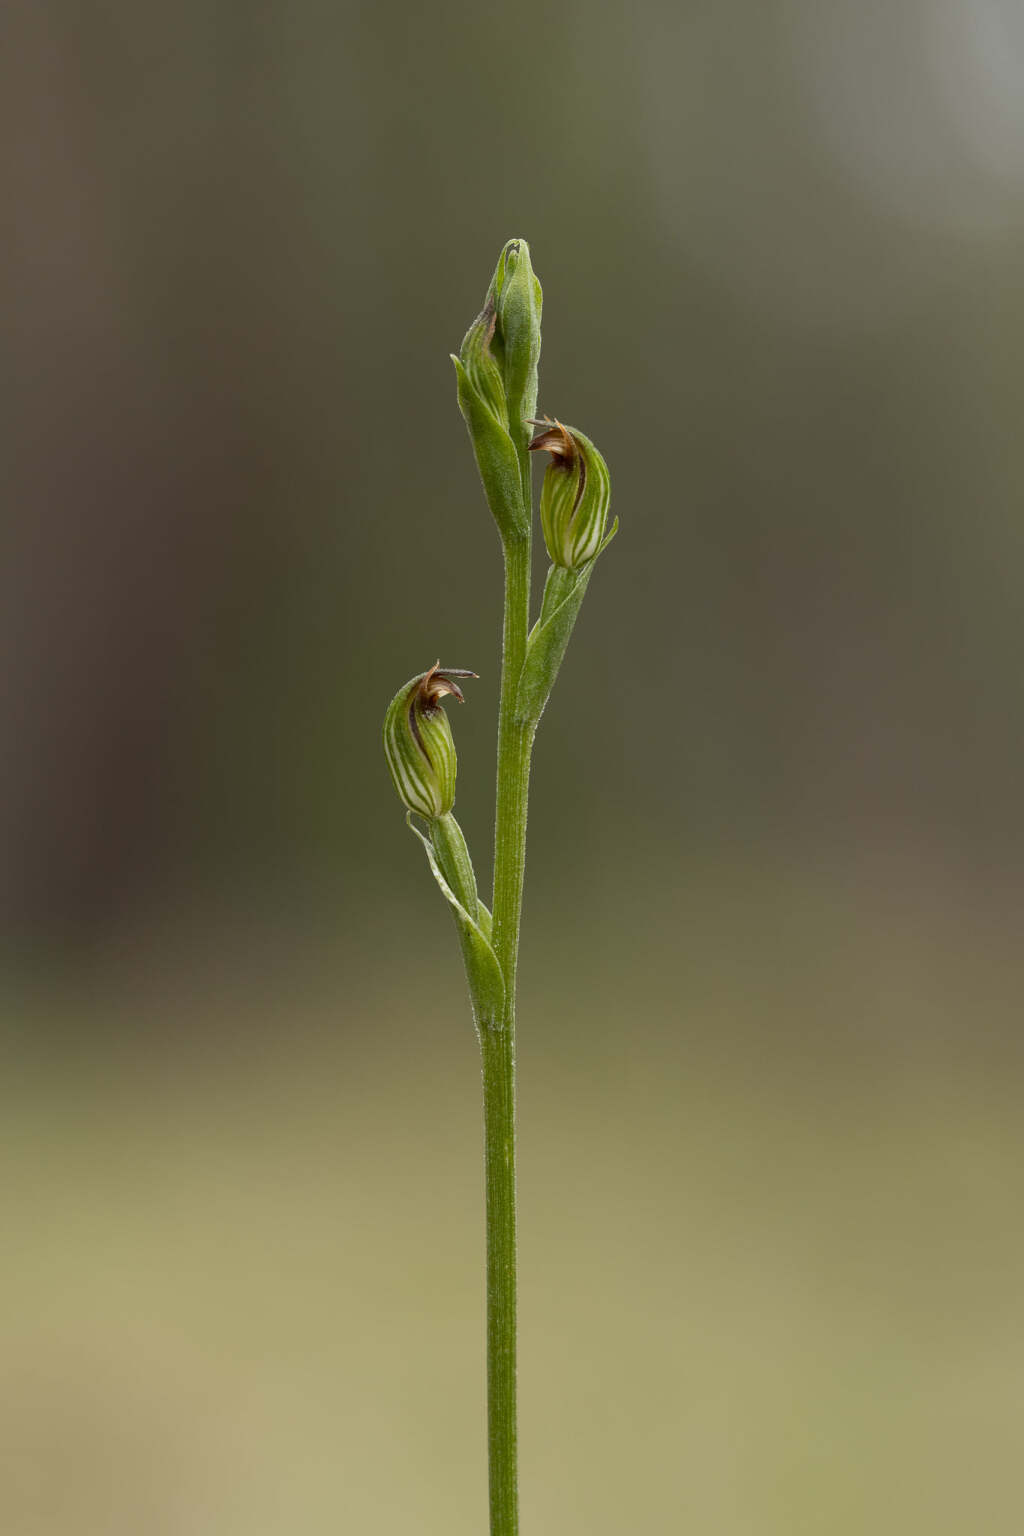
{"points": [[496, 371]]}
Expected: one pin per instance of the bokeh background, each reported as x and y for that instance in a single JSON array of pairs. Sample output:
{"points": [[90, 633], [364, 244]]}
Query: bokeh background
{"points": [[770, 1048]]}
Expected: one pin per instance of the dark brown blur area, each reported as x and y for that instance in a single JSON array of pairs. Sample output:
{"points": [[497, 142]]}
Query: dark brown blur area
{"points": [[770, 1045]]}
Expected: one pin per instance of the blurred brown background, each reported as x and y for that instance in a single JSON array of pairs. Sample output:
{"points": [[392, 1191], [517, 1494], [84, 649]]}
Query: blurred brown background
{"points": [[771, 1060]]}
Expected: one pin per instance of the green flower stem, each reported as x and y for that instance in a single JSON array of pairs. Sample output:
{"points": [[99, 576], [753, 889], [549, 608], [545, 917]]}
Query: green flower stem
{"points": [[497, 1045], [498, 1051]]}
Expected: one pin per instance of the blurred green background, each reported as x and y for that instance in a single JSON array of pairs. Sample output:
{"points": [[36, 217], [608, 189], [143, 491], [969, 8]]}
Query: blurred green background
{"points": [[770, 1046]]}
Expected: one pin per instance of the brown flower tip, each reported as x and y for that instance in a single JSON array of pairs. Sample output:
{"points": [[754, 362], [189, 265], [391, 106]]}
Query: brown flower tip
{"points": [[436, 683], [556, 440]]}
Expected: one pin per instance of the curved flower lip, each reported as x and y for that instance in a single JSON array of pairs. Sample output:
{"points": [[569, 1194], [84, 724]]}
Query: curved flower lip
{"points": [[555, 439], [437, 682]]}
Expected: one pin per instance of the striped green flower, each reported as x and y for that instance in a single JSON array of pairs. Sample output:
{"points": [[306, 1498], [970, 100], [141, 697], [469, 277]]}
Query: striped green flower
{"points": [[418, 741], [575, 496]]}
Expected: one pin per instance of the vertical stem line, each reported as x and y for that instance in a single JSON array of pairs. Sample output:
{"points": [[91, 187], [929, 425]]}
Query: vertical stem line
{"points": [[499, 1067], [514, 744], [498, 1051]]}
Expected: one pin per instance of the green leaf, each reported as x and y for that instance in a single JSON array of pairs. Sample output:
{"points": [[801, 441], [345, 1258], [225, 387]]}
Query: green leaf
{"points": [[486, 984], [564, 592]]}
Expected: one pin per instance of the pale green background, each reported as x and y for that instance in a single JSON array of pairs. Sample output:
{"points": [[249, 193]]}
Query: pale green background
{"points": [[771, 1057]]}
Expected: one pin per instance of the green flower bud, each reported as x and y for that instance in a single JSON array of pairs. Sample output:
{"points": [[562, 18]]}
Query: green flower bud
{"points": [[519, 300], [418, 741], [482, 353], [484, 375], [501, 349], [575, 496], [497, 382]]}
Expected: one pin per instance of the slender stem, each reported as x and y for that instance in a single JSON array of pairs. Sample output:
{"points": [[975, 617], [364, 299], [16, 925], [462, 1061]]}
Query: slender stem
{"points": [[499, 1068], [514, 743], [498, 1050]]}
